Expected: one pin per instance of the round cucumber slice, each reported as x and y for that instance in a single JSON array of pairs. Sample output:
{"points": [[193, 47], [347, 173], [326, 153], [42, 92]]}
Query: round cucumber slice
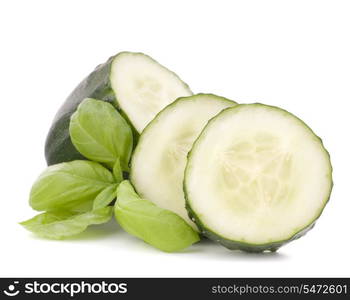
{"points": [[143, 87], [256, 178], [159, 160]]}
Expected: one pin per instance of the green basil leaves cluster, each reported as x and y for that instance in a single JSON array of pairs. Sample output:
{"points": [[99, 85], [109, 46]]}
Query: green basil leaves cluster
{"points": [[73, 195]]}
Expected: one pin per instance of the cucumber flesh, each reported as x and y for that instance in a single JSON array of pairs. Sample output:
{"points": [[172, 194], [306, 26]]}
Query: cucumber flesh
{"points": [[143, 87], [159, 160], [257, 178]]}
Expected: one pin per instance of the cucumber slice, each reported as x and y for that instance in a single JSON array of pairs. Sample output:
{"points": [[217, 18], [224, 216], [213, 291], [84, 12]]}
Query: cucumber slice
{"points": [[134, 82], [159, 160], [144, 87], [256, 178]]}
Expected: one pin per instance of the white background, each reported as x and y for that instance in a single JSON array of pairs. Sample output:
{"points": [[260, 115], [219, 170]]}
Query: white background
{"points": [[293, 54]]}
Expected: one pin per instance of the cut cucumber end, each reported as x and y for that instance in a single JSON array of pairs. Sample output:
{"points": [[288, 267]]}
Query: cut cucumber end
{"points": [[143, 87], [161, 153], [133, 82], [256, 178]]}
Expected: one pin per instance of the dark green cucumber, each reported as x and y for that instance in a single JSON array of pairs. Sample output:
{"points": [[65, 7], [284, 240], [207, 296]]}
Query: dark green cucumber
{"points": [[143, 87]]}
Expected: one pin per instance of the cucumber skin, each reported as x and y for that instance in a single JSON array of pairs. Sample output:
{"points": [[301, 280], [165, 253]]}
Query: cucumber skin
{"points": [[58, 145], [247, 247]]}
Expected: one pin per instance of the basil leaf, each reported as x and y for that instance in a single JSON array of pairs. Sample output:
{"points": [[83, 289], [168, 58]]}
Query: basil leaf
{"points": [[60, 225], [104, 198], [100, 133], [117, 171], [69, 186], [159, 227]]}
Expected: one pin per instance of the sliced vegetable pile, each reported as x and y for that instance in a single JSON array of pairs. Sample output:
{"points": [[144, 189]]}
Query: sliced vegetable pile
{"points": [[132, 141]]}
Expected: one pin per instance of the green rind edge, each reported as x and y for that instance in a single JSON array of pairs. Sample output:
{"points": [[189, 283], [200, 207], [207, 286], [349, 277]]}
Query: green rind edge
{"points": [[238, 245]]}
